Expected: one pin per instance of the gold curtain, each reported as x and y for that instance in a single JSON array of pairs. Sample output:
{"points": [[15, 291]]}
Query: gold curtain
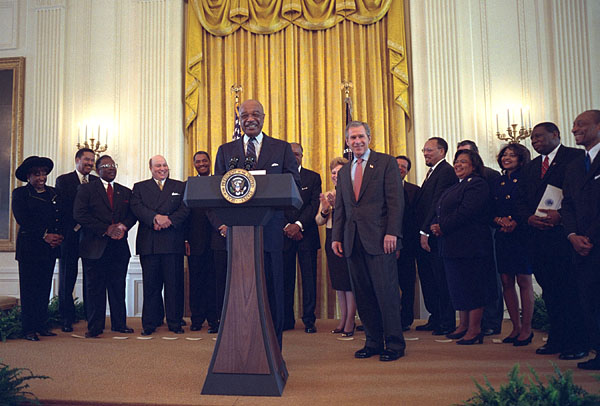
{"points": [[296, 72]]}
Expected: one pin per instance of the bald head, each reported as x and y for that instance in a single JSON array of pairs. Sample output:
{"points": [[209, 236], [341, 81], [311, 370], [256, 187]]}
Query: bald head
{"points": [[252, 117], [159, 167]]}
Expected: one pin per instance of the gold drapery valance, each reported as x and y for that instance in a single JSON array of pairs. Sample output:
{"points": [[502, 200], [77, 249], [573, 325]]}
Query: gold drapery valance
{"points": [[224, 17]]}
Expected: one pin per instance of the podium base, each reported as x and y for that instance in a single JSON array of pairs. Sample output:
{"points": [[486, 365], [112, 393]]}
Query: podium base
{"points": [[245, 384]]}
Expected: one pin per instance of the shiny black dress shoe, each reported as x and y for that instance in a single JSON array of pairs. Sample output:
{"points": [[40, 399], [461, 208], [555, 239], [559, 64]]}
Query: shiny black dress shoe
{"points": [[547, 350], [92, 334], [147, 331], [390, 355], [195, 327], [176, 330], [367, 352], [124, 330], [456, 336], [442, 331], [591, 364], [67, 328], [310, 329], [478, 339], [522, 343], [571, 356], [337, 330], [31, 337], [46, 333], [426, 327], [213, 329], [509, 339]]}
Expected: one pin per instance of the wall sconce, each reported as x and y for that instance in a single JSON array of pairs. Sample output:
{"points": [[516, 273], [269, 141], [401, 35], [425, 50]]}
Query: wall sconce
{"points": [[513, 135], [93, 143]]}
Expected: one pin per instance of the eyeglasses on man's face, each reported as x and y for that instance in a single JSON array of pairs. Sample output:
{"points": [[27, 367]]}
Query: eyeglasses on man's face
{"points": [[107, 166]]}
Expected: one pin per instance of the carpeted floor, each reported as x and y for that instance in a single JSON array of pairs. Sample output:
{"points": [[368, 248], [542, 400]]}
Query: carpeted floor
{"points": [[323, 371]]}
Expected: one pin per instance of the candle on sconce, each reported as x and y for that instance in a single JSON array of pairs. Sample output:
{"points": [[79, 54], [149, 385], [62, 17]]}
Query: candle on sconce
{"points": [[106, 138], [98, 134], [522, 117], [78, 134], [508, 116], [497, 124], [529, 114], [86, 133]]}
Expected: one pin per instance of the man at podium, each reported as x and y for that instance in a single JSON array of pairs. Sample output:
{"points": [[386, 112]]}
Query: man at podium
{"points": [[275, 157]]}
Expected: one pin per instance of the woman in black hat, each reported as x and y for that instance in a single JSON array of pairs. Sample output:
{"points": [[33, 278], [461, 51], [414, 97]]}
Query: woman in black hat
{"points": [[38, 211]]}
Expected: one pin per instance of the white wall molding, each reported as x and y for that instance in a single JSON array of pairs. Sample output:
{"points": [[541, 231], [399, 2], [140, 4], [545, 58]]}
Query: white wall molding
{"points": [[9, 22]]}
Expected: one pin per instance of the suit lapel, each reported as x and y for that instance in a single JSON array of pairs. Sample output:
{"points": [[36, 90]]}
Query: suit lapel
{"points": [[593, 169], [265, 152], [368, 172], [102, 192]]}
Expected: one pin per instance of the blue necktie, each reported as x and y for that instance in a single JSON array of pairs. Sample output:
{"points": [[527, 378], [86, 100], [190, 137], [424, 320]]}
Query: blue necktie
{"points": [[251, 149], [588, 162]]}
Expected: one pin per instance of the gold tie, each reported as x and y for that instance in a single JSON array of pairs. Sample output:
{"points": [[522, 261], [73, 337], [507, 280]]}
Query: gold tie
{"points": [[160, 185], [85, 180]]}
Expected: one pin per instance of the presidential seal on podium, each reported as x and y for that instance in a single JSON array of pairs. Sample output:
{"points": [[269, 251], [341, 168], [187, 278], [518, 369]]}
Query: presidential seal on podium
{"points": [[238, 186]]}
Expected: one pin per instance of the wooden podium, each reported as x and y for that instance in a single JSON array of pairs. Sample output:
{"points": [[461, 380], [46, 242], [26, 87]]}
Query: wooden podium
{"points": [[247, 359]]}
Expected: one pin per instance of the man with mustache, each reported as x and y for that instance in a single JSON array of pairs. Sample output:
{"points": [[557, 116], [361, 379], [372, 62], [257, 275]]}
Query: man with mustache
{"points": [[160, 243], [102, 209], [66, 187], [274, 156]]}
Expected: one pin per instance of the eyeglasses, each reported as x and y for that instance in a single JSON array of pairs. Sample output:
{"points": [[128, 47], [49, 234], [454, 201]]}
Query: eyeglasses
{"points": [[106, 166], [245, 116], [428, 150]]}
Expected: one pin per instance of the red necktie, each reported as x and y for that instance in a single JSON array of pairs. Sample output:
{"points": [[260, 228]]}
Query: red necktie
{"points": [[109, 193], [545, 166], [358, 175]]}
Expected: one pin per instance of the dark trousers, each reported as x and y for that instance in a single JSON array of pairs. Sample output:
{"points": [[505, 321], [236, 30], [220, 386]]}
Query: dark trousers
{"points": [[160, 270], [273, 263], [588, 278], [407, 276], [553, 270], [107, 273], [67, 277], [493, 312], [435, 288], [375, 285], [203, 289], [308, 271], [35, 281]]}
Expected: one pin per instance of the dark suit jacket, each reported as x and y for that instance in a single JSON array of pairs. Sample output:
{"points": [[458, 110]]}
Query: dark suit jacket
{"points": [[410, 228], [463, 216], [92, 210], [276, 156], [198, 231], [379, 209], [425, 205], [36, 216], [66, 187], [309, 191], [147, 200], [581, 204]]}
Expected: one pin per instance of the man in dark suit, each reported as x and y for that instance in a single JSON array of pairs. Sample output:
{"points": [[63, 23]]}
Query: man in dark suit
{"points": [[581, 217], [301, 238], [202, 282], [273, 156], [493, 312], [549, 249], [158, 205], [102, 209], [407, 270], [367, 227], [66, 186], [440, 176]]}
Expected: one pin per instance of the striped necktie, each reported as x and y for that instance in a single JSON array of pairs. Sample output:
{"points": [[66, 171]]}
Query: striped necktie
{"points": [[545, 166], [251, 149]]}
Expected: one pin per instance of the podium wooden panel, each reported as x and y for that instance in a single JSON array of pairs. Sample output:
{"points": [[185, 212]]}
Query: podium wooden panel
{"points": [[247, 359]]}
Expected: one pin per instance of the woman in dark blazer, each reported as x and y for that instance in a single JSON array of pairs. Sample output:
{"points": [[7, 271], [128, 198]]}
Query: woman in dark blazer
{"points": [[38, 211], [338, 267], [511, 244], [465, 244]]}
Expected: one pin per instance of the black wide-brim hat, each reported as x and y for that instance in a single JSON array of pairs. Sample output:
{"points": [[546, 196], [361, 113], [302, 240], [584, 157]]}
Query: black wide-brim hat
{"points": [[33, 162]]}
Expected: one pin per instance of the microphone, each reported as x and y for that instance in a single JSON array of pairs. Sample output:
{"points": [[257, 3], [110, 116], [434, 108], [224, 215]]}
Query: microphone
{"points": [[233, 162], [249, 163]]}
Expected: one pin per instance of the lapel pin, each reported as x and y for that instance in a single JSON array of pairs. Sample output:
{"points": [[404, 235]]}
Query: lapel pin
{"points": [[371, 166]]}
